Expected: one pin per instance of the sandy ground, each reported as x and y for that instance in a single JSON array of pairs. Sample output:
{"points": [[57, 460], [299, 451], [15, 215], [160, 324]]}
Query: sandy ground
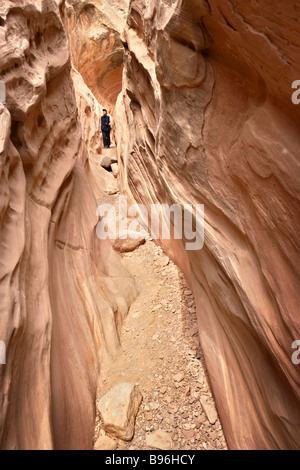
{"points": [[160, 352]]}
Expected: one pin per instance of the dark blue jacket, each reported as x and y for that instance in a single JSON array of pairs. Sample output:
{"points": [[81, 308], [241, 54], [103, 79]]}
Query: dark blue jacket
{"points": [[105, 123]]}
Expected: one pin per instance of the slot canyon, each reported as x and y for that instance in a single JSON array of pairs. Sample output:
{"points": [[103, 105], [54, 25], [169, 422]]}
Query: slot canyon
{"points": [[199, 343]]}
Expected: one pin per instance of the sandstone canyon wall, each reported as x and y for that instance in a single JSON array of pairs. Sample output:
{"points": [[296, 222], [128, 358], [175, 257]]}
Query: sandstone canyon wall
{"points": [[90, 112], [209, 119], [63, 293], [96, 48]]}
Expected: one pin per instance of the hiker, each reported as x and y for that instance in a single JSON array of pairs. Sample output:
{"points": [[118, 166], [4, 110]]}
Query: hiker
{"points": [[105, 128]]}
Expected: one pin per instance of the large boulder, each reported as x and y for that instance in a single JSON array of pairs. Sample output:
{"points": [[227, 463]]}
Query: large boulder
{"points": [[128, 245], [118, 410], [107, 161]]}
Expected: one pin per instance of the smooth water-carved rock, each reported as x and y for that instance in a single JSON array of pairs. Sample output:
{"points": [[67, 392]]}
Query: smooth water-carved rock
{"points": [[60, 311], [95, 39], [90, 112], [206, 117]]}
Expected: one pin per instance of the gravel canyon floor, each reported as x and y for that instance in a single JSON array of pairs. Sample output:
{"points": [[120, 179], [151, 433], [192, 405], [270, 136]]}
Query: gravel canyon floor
{"points": [[160, 352], [203, 96]]}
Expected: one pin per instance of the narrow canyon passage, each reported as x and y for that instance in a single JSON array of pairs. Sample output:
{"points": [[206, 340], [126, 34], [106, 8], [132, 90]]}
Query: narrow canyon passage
{"points": [[160, 352], [202, 103]]}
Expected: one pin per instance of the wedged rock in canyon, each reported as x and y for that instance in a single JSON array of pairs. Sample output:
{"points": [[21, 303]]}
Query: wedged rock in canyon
{"points": [[89, 113], [63, 292], [206, 117], [96, 48]]}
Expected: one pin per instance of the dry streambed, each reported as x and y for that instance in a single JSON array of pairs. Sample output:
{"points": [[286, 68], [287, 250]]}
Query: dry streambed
{"points": [[161, 355]]}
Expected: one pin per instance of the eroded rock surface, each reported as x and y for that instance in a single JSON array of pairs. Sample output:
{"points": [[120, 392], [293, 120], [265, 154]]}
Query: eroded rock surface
{"points": [[97, 53], [89, 113], [209, 119], [60, 309]]}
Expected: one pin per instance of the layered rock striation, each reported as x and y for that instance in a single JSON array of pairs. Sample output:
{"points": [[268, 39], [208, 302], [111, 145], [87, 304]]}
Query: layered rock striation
{"points": [[206, 117], [63, 292]]}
